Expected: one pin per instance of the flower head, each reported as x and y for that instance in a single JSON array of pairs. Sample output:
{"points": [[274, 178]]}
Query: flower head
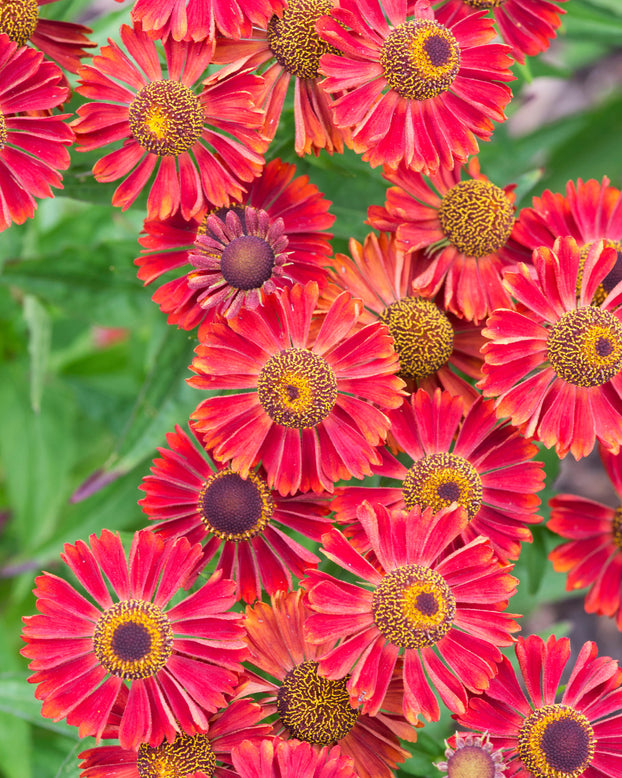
{"points": [[541, 737], [472, 756], [177, 661]]}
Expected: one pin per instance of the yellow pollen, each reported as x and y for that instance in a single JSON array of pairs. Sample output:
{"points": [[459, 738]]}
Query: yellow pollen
{"points": [[413, 607], [297, 388], [235, 508], [613, 277], [437, 480], [293, 39], [471, 762], [421, 59], [133, 639], [616, 527], [479, 4], [556, 741], [3, 131], [313, 708], [476, 217], [166, 118], [585, 347], [186, 756], [18, 20]]}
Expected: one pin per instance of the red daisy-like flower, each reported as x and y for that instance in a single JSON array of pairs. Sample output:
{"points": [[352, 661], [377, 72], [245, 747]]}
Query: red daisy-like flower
{"points": [[471, 756], [438, 610], [464, 229], [311, 707], [178, 662], [287, 48], [528, 26], [290, 759], [239, 518], [593, 555], [204, 147], [579, 736], [434, 348], [200, 755], [32, 146], [555, 370], [483, 465], [417, 90], [312, 409], [64, 42]]}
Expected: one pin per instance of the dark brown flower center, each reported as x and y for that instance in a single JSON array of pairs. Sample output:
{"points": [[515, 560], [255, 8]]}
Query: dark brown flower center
{"points": [[186, 756], [247, 262], [18, 19], [293, 39], [437, 480], [421, 59], [235, 508], [166, 118]]}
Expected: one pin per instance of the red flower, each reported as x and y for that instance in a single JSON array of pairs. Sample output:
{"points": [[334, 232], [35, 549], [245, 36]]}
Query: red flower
{"points": [[178, 662], [439, 610], [465, 229], [555, 369], [310, 410], [541, 738], [310, 707], [434, 348], [289, 47], [240, 519], [593, 555], [32, 146], [482, 464], [290, 759], [201, 755], [204, 147], [417, 90], [526, 25]]}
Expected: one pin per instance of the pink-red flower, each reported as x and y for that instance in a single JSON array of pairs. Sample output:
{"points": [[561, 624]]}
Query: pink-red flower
{"points": [[201, 138], [555, 369], [440, 612], [177, 660], [417, 89], [541, 737], [239, 519], [311, 408], [482, 464], [290, 759], [33, 140]]}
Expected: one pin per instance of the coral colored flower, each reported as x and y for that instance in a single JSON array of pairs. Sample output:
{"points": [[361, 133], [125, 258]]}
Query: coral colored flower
{"points": [[310, 707], [471, 756], [438, 610], [32, 146], [311, 410], [528, 26], [434, 348], [555, 370], [200, 755], [417, 90], [64, 42], [577, 737], [240, 519], [482, 464], [203, 147], [593, 555], [464, 228], [290, 759], [179, 661], [287, 48]]}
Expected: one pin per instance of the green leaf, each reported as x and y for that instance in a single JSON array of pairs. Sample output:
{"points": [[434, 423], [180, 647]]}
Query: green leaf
{"points": [[40, 335]]}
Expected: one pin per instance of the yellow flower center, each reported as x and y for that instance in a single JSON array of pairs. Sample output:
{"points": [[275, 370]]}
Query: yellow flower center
{"points": [[293, 39], [166, 118], [413, 607], [315, 709], [18, 19], [133, 639], [585, 347], [616, 527], [235, 508], [479, 4], [613, 277], [3, 131], [556, 741], [421, 59], [471, 762], [424, 338], [186, 756], [297, 388], [476, 217], [438, 480]]}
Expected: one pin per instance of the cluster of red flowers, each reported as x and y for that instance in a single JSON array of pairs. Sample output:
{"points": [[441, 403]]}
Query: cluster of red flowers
{"points": [[437, 356]]}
